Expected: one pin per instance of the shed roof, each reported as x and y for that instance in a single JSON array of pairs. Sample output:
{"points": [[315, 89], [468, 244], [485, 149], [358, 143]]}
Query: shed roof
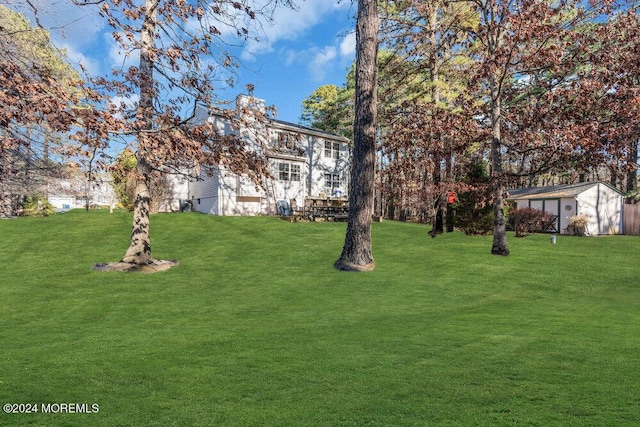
{"points": [[554, 192]]}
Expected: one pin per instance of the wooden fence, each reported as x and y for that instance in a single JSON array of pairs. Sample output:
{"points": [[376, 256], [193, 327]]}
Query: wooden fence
{"points": [[631, 220]]}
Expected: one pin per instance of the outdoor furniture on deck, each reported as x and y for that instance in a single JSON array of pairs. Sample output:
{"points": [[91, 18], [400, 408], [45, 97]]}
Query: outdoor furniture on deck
{"points": [[326, 208]]}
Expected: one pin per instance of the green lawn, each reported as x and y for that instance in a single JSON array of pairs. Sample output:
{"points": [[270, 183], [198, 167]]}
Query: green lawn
{"points": [[255, 327]]}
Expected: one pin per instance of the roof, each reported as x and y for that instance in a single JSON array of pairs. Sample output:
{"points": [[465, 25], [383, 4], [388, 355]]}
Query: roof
{"points": [[308, 130], [274, 123], [555, 191]]}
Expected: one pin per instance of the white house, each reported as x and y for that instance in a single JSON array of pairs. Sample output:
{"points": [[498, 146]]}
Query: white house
{"points": [[304, 162], [72, 193], [601, 203]]}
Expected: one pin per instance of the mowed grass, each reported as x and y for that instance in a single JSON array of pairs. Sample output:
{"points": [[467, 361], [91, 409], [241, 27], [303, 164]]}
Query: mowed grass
{"points": [[255, 327]]}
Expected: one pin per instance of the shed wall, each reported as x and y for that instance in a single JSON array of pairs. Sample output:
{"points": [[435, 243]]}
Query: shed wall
{"points": [[568, 208], [551, 206], [603, 208]]}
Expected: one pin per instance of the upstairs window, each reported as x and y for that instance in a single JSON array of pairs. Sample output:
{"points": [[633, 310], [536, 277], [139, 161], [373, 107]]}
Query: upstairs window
{"points": [[332, 150], [288, 143]]}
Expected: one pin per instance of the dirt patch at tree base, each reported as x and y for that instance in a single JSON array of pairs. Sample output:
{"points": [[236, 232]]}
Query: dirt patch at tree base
{"points": [[153, 266], [348, 266]]}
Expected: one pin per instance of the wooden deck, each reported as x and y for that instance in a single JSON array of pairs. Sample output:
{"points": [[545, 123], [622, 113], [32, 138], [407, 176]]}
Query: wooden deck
{"points": [[320, 209]]}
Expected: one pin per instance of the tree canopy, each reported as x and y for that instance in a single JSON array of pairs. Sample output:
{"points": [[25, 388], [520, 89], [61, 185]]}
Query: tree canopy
{"points": [[542, 92], [180, 51], [42, 109]]}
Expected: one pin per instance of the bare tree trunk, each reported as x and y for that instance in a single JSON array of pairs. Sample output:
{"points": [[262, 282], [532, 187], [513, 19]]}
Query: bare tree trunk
{"points": [[439, 155], [500, 246], [5, 194], [632, 175], [6, 201], [139, 251], [356, 253]]}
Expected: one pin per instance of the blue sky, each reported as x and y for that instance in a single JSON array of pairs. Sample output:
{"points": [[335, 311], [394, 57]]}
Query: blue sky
{"points": [[300, 57], [299, 52]]}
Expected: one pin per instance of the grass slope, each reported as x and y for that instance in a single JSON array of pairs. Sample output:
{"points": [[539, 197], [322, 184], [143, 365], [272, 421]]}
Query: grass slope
{"points": [[255, 327]]}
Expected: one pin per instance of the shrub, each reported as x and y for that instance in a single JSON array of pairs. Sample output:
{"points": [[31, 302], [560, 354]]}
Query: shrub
{"points": [[37, 206], [123, 174], [474, 208], [476, 221], [528, 220], [578, 225], [124, 184], [633, 196], [474, 212]]}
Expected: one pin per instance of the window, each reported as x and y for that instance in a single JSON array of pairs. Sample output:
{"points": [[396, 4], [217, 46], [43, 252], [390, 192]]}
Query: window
{"points": [[288, 171], [283, 171], [295, 172], [331, 182], [288, 143], [332, 149]]}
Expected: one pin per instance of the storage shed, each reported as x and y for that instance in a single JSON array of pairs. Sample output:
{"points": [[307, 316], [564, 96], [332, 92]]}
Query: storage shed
{"points": [[601, 203]]}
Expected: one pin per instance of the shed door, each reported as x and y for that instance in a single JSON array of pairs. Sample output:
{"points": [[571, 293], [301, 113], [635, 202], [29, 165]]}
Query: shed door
{"points": [[551, 206]]}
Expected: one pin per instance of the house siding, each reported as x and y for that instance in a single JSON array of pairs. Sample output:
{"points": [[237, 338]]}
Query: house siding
{"points": [[299, 168], [205, 195], [286, 189], [71, 193]]}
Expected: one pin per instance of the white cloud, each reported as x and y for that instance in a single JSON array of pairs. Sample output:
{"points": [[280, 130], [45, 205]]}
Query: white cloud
{"points": [[289, 24], [321, 61], [128, 103], [348, 45], [76, 25], [291, 57], [318, 66], [118, 58], [78, 59]]}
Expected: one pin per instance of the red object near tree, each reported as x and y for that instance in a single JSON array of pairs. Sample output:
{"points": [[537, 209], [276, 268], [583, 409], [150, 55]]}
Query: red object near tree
{"points": [[452, 197]]}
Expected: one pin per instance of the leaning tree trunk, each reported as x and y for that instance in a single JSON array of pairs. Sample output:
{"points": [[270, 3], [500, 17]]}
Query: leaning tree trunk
{"points": [[356, 253], [500, 246], [139, 251]]}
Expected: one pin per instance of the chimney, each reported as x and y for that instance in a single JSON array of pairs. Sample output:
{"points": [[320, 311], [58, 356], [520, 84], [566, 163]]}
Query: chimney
{"points": [[249, 102]]}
